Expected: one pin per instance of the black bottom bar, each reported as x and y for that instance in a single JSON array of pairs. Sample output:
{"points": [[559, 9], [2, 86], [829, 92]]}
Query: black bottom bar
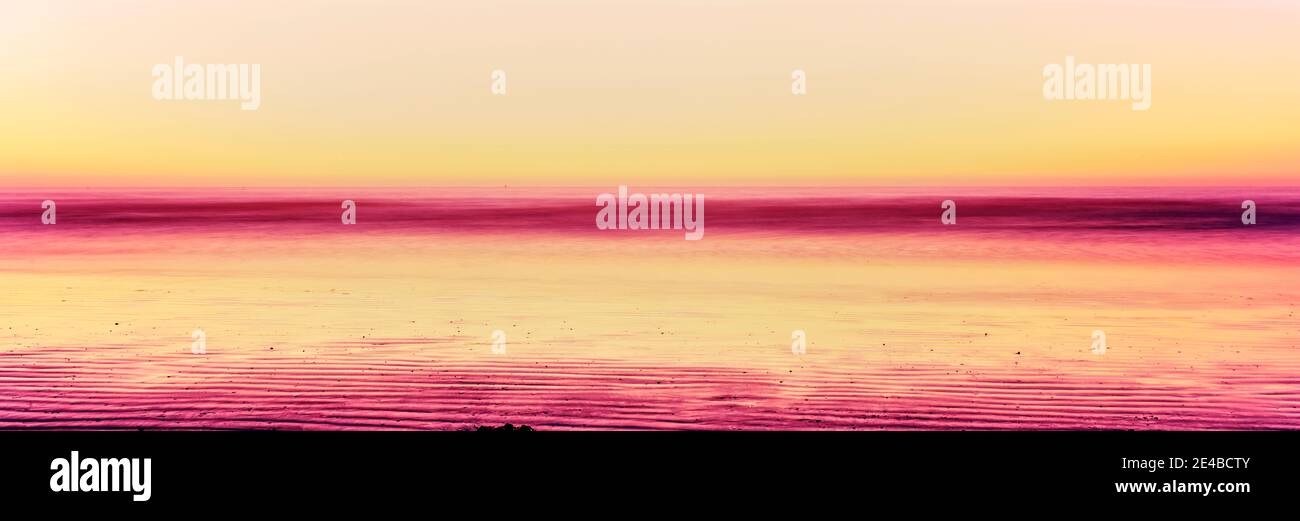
{"points": [[752, 470]]}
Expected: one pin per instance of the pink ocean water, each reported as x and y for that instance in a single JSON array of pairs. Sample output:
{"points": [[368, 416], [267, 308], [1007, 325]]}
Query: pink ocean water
{"points": [[985, 324]]}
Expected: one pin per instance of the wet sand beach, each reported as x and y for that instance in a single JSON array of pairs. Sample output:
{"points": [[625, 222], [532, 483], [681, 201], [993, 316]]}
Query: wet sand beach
{"points": [[986, 324]]}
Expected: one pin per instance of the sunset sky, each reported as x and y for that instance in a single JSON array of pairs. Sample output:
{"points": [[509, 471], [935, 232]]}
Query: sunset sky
{"points": [[606, 93]]}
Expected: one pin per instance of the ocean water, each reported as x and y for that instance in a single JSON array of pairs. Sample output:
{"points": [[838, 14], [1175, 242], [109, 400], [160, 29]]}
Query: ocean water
{"points": [[909, 324]]}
